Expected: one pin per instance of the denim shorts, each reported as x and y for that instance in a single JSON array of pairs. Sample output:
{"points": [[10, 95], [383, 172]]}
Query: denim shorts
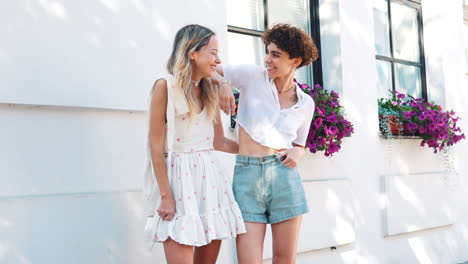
{"points": [[267, 191]]}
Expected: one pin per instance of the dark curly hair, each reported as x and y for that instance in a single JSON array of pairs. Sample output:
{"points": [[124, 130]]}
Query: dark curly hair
{"points": [[295, 41]]}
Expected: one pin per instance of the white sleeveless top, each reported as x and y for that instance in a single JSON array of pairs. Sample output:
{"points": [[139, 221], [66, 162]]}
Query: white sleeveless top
{"points": [[205, 206]]}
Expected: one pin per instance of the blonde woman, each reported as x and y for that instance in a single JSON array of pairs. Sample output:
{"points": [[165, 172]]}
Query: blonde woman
{"points": [[191, 206]]}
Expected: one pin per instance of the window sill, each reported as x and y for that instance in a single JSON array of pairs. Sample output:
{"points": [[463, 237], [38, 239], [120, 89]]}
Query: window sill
{"points": [[398, 136]]}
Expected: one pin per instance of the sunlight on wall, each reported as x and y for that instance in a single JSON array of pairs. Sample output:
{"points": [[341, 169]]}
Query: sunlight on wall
{"points": [[406, 192], [353, 111], [54, 8], [4, 222], [139, 6], [333, 201], [161, 24], [419, 250], [93, 39], [113, 5], [402, 164], [358, 255], [343, 228], [359, 32], [2, 251], [382, 200]]}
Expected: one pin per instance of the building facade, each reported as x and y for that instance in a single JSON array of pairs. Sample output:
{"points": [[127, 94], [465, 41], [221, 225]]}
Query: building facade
{"points": [[74, 80]]}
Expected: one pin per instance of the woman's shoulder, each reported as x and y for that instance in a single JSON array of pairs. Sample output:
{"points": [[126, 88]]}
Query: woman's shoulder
{"points": [[162, 81], [159, 87]]}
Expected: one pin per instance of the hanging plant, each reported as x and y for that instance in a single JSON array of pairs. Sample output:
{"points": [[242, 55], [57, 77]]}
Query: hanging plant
{"points": [[329, 125]]}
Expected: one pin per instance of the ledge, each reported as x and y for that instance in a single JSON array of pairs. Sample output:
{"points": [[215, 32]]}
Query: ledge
{"points": [[398, 136]]}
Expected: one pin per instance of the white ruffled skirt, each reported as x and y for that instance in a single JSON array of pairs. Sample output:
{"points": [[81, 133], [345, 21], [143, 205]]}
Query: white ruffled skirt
{"points": [[205, 205]]}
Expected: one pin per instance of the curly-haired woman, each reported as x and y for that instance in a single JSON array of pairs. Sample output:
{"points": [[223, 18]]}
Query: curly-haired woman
{"points": [[274, 118]]}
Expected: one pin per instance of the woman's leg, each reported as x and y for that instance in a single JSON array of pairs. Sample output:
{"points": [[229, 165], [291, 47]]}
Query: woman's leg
{"points": [[285, 236], [207, 254], [177, 253], [250, 244]]}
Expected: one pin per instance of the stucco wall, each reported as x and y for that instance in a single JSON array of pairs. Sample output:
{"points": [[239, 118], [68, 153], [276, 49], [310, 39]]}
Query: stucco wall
{"points": [[73, 130]]}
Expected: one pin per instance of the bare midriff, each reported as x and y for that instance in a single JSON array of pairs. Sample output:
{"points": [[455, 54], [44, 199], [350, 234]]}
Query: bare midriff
{"points": [[251, 148]]}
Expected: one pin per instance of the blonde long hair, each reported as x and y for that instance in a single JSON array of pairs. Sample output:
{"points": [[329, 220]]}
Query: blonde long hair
{"points": [[187, 40]]}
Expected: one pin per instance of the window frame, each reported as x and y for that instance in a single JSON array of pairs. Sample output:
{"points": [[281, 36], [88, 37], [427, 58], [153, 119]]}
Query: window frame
{"points": [[416, 4], [465, 21], [314, 22]]}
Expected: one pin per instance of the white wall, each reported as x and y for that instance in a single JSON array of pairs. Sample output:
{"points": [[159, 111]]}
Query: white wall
{"points": [[92, 53], [408, 207], [73, 84], [73, 134]]}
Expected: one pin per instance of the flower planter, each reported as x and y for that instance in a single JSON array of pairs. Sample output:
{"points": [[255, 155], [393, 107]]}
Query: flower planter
{"points": [[403, 115], [392, 125]]}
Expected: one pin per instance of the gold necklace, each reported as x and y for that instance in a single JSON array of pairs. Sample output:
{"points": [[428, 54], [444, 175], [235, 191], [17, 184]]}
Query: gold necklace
{"points": [[287, 90]]}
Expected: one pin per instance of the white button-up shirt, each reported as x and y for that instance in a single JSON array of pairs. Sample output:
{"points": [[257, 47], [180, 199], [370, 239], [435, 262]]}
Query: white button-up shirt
{"points": [[260, 113]]}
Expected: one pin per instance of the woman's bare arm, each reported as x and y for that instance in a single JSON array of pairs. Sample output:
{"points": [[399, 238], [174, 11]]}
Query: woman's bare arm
{"points": [[157, 135], [221, 142]]}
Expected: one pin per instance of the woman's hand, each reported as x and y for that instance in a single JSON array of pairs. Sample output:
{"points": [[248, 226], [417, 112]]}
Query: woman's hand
{"points": [[167, 208], [227, 103], [292, 156]]}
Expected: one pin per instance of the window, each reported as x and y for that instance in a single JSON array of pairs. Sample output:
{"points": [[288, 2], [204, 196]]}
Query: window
{"points": [[399, 47], [465, 33], [466, 44], [247, 20]]}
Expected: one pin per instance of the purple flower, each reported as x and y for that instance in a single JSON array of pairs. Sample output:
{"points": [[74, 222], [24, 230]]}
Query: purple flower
{"points": [[332, 104], [333, 130], [321, 141], [319, 111], [331, 118], [432, 127], [412, 126], [422, 130], [442, 135], [318, 122], [422, 116], [431, 142], [330, 130], [312, 133], [408, 114], [399, 95], [332, 148], [312, 146]]}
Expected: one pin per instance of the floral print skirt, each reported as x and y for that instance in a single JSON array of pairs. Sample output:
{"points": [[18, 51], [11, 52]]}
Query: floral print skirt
{"points": [[205, 205]]}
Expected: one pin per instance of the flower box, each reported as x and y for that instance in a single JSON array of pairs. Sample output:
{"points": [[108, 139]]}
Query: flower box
{"points": [[437, 128], [393, 125]]}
